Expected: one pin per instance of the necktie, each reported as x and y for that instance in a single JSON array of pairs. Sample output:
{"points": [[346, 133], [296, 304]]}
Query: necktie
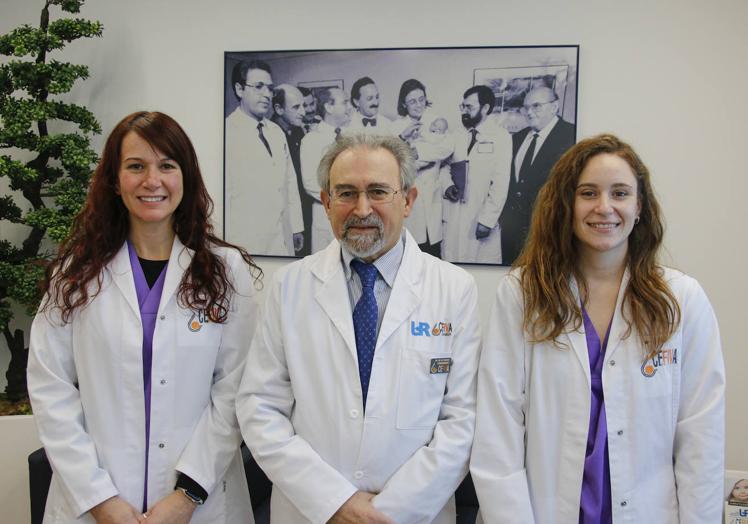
{"points": [[473, 139], [337, 133], [527, 161], [263, 139], [307, 128], [365, 323], [369, 121]]}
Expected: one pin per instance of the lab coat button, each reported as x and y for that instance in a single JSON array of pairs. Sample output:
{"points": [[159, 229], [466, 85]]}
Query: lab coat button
{"points": [[163, 382], [354, 413], [358, 475], [612, 362], [620, 432], [161, 445], [162, 317], [623, 504]]}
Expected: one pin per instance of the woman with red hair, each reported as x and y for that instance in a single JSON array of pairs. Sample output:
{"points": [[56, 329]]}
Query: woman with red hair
{"points": [[139, 344], [601, 383]]}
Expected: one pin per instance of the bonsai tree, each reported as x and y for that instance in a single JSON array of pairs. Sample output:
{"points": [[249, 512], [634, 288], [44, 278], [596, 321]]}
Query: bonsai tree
{"points": [[47, 172]]}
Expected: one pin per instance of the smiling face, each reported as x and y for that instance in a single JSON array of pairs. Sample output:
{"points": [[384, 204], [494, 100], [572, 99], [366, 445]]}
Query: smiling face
{"points": [[367, 230], [149, 183], [606, 205], [415, 103], [255, 96], [368, 101], [740, 491]]}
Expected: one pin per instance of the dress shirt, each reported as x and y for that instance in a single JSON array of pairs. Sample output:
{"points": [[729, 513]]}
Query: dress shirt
{"points": [[542, 135]]}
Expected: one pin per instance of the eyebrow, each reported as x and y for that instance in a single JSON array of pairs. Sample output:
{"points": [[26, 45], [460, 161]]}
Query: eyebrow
{"points": [[616, 185], [373, 185]]}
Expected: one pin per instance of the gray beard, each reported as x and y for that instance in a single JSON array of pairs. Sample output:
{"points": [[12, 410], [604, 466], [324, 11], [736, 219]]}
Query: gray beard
{"points": [[363, 246]]}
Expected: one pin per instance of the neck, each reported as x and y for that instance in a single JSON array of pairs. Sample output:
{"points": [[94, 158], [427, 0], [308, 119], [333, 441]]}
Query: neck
{"points": [[330, 120], [152, 241], [249, 113], [602, 267]]}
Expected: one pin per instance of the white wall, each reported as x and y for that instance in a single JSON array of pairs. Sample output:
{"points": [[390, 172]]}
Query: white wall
{"points": [[668, 76]]}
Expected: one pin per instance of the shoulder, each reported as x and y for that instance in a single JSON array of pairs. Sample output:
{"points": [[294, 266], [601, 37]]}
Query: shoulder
{"points": [[444, 275], [685, 288]]}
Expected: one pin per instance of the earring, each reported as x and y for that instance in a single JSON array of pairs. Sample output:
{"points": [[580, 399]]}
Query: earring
{"points": [[636, 220]]}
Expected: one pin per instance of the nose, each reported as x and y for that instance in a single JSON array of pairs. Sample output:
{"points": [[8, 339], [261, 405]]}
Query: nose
{"points": [[152, 178], [363, 206], [603, 206]]}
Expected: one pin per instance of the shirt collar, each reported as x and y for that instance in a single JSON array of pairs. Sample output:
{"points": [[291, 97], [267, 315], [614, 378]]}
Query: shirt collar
{"points": [[543, 133], [387, 264]]}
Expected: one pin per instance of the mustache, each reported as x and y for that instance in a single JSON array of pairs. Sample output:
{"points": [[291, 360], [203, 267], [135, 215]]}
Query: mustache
{"points": [[370, 220]]}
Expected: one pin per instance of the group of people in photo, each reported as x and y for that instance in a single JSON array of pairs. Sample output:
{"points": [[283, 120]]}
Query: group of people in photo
{"points": [[362, 377], [477, 183]]}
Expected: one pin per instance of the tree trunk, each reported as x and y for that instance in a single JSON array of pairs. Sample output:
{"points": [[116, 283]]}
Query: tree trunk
{"points": [[16, 374]]}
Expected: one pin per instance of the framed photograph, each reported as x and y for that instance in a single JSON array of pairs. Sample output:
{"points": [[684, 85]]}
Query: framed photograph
{"points": [[282, 109], [736, 497]]}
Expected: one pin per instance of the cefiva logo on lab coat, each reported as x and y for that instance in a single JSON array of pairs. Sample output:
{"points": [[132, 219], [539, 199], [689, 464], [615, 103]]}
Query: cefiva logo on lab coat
{"points": [[664, 357], [197, 320], [424, 329]]}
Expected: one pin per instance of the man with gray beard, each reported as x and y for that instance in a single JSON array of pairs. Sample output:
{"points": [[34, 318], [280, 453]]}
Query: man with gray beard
{"points": [[358, 396]]}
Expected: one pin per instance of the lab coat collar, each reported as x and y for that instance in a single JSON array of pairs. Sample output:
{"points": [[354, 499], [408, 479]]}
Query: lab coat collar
{"points": [[618, 328], [121, 270], [332, 293]]}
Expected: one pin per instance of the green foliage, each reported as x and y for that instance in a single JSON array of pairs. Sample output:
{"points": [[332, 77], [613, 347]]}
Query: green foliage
{"points": [[52, 172]]}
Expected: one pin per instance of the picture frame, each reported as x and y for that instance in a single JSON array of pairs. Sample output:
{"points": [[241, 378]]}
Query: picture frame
{"points": [[255, 219]]}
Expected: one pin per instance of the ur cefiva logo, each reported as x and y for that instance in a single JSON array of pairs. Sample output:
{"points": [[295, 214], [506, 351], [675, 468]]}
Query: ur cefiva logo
{"points": [[425, 329], [197, 320], [653, 362]]}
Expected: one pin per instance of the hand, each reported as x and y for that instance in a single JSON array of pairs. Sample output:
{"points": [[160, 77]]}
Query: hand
{"points": [[482, 231], [452, 193], [116, 510], [412, 132], [174, 508], [298, 242], [359, 510]]}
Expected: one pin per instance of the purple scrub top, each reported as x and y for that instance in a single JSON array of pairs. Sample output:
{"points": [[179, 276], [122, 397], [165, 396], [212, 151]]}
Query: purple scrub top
{"points": [[595, 505], [148, 301]]}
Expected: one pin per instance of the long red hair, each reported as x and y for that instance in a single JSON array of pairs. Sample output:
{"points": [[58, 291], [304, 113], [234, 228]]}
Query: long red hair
{"points": [[102, 226]]}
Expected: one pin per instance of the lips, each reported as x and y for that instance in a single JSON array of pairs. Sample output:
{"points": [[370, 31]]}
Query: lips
{"points": [[151, 199]]}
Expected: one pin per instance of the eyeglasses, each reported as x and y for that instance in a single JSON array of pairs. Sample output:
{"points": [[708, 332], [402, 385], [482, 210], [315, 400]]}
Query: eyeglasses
{"points": [[376, 195], [537, 106], [466, 107], [259, 86], [414, 101]]}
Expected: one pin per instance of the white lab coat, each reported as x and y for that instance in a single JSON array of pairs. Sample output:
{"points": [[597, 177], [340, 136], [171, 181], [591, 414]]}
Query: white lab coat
{"points": [[263, 206], [86, 386], [300, 405], [665, 432], [313, 147], [487, 183]]}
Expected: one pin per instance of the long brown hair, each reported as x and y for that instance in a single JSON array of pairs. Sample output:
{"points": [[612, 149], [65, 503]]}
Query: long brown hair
{"points": [[550, 257], [102, 226]]}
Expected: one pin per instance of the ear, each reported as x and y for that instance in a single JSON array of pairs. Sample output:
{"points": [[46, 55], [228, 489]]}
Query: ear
{"points": [[410, 198], [238, 88], [324, 196], [484, 110], [278, 109]]}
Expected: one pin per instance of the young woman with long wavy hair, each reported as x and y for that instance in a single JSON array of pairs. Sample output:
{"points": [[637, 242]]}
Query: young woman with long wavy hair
{"points": [[601, 383], [139, 345]]}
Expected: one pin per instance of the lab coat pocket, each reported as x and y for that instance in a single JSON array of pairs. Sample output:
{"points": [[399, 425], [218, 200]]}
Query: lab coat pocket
{"points": [[422, 381]]}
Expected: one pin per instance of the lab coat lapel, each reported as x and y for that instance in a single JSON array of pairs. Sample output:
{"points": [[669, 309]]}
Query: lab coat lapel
{"points": [[121, 272], [578, 339], [332, 294], [406, 291], [179, 261], [618, 326]]}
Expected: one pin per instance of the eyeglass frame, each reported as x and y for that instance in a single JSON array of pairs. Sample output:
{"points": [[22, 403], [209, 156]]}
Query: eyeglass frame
{"points": [[259, 86], [536, 106], [336, 198], [413, 101]]}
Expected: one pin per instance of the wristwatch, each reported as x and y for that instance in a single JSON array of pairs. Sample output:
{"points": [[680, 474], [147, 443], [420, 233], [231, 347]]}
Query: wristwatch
{"points": [[195, 499]]}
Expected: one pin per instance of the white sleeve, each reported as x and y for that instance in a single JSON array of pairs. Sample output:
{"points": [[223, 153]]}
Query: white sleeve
{"points": [[293, 203], [309, 157], [52, 382], [497, 191], [421, 487], [497, 464], [698, 452], [216, 438], [264, 404]]}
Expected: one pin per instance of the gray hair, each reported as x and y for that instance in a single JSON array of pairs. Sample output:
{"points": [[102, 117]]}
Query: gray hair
{"points": [[398, 147]]}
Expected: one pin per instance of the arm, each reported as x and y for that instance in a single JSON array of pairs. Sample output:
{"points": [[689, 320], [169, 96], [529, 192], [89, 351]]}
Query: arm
{"points": [[52, 382], [293, 200], [421, 487], [698, 451], [309, 157], [264, 405], [497, 190], [216, 438], [497, 464]]}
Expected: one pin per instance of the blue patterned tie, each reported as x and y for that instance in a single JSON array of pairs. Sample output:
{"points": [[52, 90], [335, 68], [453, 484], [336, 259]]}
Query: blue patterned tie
{"points": [[365, 322]]}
